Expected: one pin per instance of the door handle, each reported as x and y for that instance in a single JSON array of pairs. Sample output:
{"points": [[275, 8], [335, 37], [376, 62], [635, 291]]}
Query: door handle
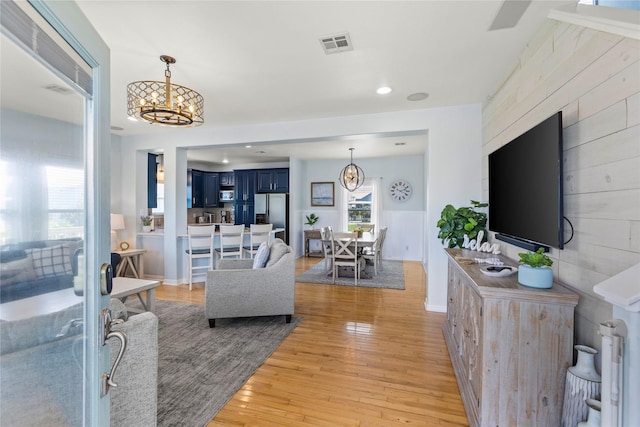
{"points": [[106, 333]]}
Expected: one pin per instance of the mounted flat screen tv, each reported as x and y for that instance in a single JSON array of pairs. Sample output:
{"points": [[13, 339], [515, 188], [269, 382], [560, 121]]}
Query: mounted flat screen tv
{"points": [[525, 188]]}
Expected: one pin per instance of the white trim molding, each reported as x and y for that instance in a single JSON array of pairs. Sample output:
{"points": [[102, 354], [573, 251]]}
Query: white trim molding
{"points": [[622, 22], [434, 308]]}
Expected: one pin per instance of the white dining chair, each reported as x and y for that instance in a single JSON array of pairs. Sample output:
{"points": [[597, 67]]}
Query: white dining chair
{"points": [[326, 236], [345, 254], [200, 242], [231, 241], [374, 254], [258, 233]]}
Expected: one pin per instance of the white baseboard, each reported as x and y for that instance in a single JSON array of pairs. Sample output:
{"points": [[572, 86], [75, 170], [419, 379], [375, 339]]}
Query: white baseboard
{"points": [[201, 277], [434, 308]]}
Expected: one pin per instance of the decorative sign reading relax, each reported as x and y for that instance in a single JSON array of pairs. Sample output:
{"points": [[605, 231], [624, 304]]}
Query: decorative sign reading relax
{"points": [[474, 244]]}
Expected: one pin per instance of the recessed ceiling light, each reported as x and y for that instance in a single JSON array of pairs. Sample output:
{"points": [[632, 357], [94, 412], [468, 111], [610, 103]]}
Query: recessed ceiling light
{"points": [[383, 90], [225, 161], [247, 146], [418, 96]]}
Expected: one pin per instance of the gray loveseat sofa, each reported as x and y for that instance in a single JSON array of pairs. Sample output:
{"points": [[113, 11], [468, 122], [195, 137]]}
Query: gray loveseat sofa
{"points": [[26, 383], [236, 289], [36, 267]]}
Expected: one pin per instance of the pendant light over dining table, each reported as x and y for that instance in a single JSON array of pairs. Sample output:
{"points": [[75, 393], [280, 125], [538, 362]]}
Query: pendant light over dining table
{"points": [[165, 103], [351, 176]]}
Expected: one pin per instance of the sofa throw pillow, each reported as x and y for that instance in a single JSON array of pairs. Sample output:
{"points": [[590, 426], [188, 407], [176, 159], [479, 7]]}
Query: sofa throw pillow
{"points": [[52, 261], [70, 249], [262, 255], [278, 250]]}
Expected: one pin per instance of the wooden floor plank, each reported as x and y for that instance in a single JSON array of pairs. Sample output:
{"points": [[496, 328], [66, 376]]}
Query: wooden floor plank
{"points": [[360, 357]]}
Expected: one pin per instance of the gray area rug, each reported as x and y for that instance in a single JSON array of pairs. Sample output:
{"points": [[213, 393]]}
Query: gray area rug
{"points": [[391, 276], [200, 368]]}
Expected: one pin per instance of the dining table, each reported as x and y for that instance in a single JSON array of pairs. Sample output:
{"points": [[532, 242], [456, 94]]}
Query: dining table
{"points": [[365, 240]]}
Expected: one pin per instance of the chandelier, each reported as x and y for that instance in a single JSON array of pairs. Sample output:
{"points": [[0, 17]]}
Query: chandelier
{"points": [[164, 103], [351, 176]]}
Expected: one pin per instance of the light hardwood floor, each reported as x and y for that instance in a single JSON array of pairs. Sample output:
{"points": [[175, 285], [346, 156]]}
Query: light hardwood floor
{"points": [[360, 357]]}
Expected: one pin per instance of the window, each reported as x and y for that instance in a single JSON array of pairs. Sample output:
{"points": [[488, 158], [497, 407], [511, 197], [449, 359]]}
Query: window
{"points": [[620, 4], [361, 206], [159, 209], [53, 196], [7, 215], [65, 202]]}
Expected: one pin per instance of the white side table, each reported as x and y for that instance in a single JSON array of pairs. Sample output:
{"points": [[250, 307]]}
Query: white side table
{"points": [[132, 259]]}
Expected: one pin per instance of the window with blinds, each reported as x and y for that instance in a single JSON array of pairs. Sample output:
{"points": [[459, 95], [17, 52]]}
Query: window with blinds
{"points": [[65, 202]]}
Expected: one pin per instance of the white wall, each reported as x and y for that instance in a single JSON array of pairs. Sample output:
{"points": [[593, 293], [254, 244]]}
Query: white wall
{"points": [[593, 77], [405, 221], [453, 173], [116, 174], [296, 186]]}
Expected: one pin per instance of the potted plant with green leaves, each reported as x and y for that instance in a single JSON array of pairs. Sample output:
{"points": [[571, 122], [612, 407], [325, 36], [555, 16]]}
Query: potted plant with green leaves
{"points": [[535, 269], [454, 224], [311, 219], [146, 222]]}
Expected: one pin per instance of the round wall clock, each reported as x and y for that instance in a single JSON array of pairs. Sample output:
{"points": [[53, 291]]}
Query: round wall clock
{"points": [[124, 246], [400, 190]]}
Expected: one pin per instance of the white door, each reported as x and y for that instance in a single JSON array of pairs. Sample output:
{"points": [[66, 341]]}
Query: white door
{"points": [[54, 215]]}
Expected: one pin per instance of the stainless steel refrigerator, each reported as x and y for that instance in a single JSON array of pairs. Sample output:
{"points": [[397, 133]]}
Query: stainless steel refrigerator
{"points": [[273, 209]]}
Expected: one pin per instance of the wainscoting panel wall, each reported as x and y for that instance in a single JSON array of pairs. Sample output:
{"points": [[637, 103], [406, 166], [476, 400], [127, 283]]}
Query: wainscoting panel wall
{"points": [[593, 77]]}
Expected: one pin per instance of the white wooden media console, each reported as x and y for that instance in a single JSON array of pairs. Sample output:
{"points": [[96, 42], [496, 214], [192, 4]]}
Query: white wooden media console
{"points": [[510, 345]]}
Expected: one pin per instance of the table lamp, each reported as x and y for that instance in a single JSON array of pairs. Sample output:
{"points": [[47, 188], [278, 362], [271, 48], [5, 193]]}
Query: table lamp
{"points": [[117, 223]]}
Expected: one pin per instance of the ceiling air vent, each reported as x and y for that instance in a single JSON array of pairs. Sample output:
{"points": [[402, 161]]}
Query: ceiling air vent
{"points": [[336, 43]]}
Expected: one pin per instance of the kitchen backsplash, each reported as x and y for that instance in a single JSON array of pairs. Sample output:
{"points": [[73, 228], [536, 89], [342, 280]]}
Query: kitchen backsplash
{"points": [[194, 213]]}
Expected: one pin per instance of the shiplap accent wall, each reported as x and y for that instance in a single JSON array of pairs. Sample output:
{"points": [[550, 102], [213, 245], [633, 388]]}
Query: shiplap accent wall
{"points": [[594, 78]]}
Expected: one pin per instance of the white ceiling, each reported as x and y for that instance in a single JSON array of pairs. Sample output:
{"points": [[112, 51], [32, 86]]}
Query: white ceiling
{"points": [[262, 61], [366, 146]]}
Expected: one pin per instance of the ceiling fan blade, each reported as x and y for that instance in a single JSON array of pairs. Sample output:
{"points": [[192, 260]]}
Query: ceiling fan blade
{"points": [[509, 14]]}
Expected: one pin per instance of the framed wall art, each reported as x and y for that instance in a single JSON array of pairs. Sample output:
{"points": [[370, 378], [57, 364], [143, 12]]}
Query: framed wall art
{"points": [[322, 194]]}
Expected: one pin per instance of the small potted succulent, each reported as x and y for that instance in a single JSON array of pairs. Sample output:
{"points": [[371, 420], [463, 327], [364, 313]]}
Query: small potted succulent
{"points": [[146, 222], [535, 269]]}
